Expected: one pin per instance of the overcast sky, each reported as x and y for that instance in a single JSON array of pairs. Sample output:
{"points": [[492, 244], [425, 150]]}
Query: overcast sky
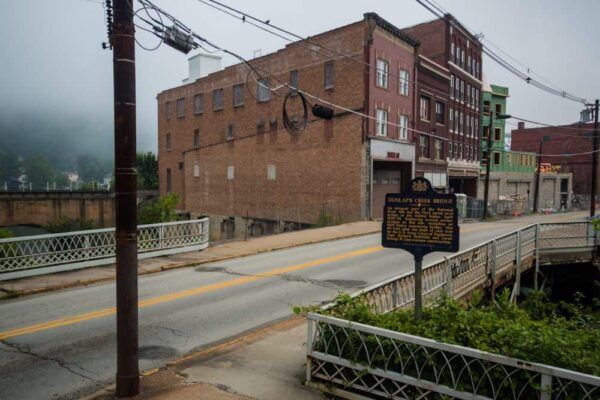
{"points": [[52, 65]]}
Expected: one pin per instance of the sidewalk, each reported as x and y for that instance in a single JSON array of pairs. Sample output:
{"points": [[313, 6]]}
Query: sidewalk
{"points": [[88, 276], [49, 282], [266, 364]]}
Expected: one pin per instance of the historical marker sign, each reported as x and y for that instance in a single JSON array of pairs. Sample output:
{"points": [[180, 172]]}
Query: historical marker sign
{"points": [[420, 221]]}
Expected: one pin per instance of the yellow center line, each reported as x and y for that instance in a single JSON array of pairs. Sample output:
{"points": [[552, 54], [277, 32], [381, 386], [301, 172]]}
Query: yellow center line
{"points": [[105, 312]]}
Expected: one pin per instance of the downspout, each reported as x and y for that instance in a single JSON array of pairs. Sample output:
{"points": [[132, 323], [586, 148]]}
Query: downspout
{"points": [[368, 43], [415, 109]]}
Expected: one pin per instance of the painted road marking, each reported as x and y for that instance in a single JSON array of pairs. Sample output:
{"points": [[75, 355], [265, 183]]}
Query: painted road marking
{"points": [[199, 290]]}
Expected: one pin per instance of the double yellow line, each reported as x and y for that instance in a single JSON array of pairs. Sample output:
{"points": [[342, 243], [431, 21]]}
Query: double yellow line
{"points": [[105, 312], [185, 293]]}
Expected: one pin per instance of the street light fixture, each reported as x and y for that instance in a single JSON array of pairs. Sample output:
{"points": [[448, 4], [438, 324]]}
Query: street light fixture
{"points": [[486, 192]]}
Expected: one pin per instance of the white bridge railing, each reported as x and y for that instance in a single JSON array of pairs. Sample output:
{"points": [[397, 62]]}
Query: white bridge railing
{"points": [[36, 255], [356, 361]]}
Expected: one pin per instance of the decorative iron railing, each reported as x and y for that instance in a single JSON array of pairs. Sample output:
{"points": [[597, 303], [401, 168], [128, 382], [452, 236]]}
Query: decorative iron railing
{"points": [[34, 255], [349, 357], [399, 366]]}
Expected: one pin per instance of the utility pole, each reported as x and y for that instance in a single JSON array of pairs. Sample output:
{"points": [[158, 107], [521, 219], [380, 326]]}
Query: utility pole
{"points": [[537, 177], [594, 162], [488, 165], [123, 42]]}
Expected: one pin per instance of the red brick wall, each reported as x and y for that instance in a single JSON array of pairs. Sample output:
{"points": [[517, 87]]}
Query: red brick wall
{"points": [[435, 86], [320, 169], [562, 141], [432, 36], [399, 55], [325, 163]]}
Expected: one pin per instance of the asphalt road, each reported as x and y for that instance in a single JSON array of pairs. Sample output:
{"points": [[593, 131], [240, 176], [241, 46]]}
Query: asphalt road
{"points": [[62, 344]]}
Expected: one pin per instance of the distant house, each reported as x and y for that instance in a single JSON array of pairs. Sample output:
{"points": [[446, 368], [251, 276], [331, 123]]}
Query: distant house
{"points": [[72, 176]]}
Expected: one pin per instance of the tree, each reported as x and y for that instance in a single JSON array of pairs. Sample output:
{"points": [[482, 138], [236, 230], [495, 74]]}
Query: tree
{"points": [[61, 180], [9, 166], [90, 168], [39, 170], [161, 210], [147, 165]]}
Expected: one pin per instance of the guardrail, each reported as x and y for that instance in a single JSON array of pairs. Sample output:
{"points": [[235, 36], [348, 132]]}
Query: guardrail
{"points": [[423, 367], [36, 255]]}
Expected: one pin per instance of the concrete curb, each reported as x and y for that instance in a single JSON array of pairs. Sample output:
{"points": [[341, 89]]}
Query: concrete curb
{"points": [[175, 265], [207, 352]]}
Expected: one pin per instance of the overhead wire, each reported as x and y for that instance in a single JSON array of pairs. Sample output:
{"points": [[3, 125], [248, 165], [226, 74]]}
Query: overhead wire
{"points": [[318, 98], [305, 42], [484, 38], [438, 12]]}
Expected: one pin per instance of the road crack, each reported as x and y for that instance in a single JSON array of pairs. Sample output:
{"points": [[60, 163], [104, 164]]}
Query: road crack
{"points": [[22, 349], [286, 277]]}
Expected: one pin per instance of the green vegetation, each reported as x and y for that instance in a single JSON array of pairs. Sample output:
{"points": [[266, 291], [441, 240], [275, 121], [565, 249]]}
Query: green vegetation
{"points": [[6, 249], [69, 225], [147, 165], [5, 233], [562, 334], [160, 210], [9, 166], [327, 219]]}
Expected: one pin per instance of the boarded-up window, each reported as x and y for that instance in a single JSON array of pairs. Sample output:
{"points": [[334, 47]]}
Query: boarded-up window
{"points": [[230, 132], [217, 99], [196, 169], [198, 104], [329, 75], [238, 95], [168, 141], [262, 90], [230, 172], [180, 108], [271, 172], [168, 110], [169, 181], [294, 81], [196, 138]]}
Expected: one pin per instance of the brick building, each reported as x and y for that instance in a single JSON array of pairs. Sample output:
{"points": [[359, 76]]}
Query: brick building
{"points": [[566, 139], [446, 42], [433, 83], [223, 148]]}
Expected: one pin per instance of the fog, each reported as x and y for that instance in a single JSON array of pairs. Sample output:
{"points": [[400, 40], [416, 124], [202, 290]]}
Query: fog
{"points": [[56, 80]]}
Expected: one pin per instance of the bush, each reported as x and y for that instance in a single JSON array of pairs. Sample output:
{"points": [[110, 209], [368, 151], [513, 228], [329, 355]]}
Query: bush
{"points": [[160, 210], [65, 224], [6, 249], [564, 335]]}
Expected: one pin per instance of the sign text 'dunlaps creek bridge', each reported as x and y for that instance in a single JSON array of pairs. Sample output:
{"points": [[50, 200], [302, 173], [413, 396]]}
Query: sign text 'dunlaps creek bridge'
{"points": [[420, 221]]}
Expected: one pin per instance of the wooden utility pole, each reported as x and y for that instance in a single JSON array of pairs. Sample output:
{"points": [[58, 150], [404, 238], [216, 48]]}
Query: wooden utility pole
{"points": [[123, 43], [488, 165]]}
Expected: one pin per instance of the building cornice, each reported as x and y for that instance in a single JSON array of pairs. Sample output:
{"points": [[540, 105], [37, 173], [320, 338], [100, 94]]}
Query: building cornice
{"points": [[391, 28]]}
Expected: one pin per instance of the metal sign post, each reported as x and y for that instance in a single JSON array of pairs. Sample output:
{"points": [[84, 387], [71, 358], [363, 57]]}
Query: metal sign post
{"points": [[420, 221]]}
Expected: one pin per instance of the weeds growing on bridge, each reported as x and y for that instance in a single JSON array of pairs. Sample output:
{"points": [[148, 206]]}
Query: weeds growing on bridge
{"points": [[562, 334]]}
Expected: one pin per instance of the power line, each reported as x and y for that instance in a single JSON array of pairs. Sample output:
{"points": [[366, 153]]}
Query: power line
{"points": [[438, 12], [529, 70], [317, 98], [552, 126], [305, 42]]}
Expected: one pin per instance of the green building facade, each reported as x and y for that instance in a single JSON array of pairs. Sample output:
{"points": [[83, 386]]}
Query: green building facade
{"points": [[494, 100]]}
